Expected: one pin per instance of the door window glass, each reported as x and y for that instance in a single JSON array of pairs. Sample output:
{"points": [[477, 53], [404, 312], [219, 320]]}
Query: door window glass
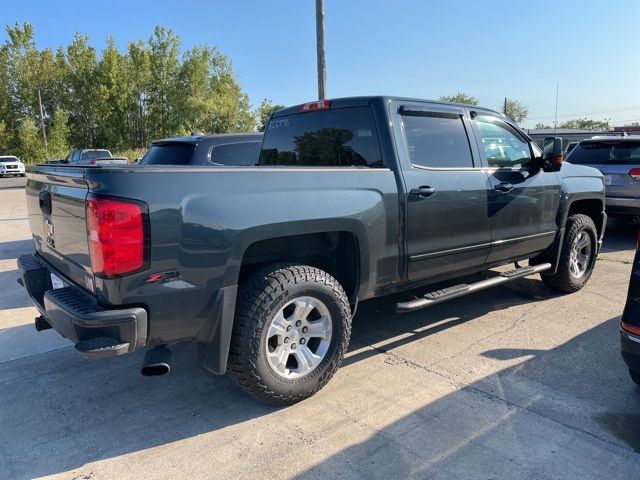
{"points": [[437, 141], [503, 145]]}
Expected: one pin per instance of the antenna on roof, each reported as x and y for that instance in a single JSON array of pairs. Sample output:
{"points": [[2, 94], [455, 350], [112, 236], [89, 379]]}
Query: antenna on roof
{"points": [[190, 128]]}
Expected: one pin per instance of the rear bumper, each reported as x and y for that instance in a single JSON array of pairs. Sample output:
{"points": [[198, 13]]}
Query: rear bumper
{"points": [[630, 349], [622, 206], [75, 315]]}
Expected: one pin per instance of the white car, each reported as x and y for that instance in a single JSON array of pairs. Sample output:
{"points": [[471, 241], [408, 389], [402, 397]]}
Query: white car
{"points": [[10, 165]]}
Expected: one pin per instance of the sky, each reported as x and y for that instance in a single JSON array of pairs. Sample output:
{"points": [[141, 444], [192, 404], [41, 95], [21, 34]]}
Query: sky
{"points": [[490, 49]]}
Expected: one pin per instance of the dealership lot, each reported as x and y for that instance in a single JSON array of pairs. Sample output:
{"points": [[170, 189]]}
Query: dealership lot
{"points": [[512, 381]]}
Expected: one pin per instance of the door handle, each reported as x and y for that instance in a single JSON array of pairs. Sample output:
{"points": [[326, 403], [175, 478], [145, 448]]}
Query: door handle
{"points": [[422, 192], [503, 187]]}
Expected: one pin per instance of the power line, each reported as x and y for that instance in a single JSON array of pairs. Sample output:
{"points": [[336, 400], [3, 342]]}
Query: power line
{"points": [[588, 113]]}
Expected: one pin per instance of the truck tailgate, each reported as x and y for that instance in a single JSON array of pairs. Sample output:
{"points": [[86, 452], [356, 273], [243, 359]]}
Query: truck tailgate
{"points": [[57, 217]]}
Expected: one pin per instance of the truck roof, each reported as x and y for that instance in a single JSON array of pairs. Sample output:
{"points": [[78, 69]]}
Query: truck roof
{"points": [[367, 100], [212, 138]]}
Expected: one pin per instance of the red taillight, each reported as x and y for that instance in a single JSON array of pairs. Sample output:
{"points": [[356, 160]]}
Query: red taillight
{"points": [[630, 328], [635, 173], [319, 105], [116, 236]]}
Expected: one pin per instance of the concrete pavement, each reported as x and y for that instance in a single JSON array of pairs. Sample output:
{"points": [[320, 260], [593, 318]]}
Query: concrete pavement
{"points": [[513, 382]]}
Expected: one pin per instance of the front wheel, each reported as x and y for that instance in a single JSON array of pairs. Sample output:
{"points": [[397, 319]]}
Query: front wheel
{"points": [[577, 257], [291, 330]]}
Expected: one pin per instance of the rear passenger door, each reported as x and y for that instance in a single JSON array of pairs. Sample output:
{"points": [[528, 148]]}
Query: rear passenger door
{"points": [[448, 227]]}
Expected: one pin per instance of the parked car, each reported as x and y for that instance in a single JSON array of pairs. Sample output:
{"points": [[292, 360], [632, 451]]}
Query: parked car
{"points": [[630, 322], [10, 165], [93, 156], [570, 147], [231, 149], [263, 266], [618, 158]]}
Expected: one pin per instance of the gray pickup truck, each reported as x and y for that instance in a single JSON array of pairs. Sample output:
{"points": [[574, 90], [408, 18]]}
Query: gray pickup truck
{"points": [[263, 266]]}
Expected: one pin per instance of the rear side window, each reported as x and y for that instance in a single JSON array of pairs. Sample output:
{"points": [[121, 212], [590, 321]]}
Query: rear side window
{"points": [[330, 138], [611, 152], [437, 140], [236, 154], [169, 154]]}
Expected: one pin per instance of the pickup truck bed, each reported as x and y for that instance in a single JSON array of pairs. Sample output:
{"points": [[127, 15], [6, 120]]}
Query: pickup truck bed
{"points": [[263, 266]]}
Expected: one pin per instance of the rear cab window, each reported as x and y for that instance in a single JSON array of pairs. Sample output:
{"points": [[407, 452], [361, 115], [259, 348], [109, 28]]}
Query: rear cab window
{"points": [[93, 154], [341, 137], [598, 152]]}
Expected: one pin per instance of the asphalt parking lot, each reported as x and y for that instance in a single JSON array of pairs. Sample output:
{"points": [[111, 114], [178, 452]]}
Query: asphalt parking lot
{"points": [[512, 382]]}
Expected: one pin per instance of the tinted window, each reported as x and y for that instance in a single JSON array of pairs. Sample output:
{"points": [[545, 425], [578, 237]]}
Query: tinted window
{"points": [[91, 154], [612, 152], [436, 141], [502, 143], [237, 154], [168, 154], [335, 138]]}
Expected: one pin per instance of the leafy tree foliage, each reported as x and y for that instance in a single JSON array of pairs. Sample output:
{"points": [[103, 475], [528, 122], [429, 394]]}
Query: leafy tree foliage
{"points": [[515, 110], [114, 99], [460, 98], [585, 124], [264, 111]]}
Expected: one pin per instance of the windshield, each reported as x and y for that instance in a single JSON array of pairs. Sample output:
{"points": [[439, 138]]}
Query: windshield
{"points": [[169, 154], [612, 152], [92, 154], [9, 159]]}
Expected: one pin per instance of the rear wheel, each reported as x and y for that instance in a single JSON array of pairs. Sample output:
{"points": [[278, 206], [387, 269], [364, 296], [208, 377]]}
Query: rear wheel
{"points": [[577, 257], [291, 330]]}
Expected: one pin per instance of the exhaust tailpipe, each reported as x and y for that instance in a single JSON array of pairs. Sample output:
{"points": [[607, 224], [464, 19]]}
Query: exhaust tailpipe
{"points": [[156, 362]]}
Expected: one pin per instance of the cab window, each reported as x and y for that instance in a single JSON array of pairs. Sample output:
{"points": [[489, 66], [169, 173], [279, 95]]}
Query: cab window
{"points": [[503, 145]]}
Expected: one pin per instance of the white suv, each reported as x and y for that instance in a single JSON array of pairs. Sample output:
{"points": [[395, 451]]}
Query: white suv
{"points": [[10, 165]]}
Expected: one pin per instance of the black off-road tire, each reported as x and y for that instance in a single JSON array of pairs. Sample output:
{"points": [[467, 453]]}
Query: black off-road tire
{"points": [[260, 297], [635, 376], [563, 279]]}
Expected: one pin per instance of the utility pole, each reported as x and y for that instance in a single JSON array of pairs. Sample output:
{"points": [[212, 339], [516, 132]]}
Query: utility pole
{"points": [[555, 118], [44, 133], [322, 68]]}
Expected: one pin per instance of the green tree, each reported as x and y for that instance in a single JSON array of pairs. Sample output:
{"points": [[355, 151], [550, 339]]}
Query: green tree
{"points": [[460, 98], [515, 110], [82, 85], [542, 125], [58, 135], [585, 124], [30, 146], [264, 111]]}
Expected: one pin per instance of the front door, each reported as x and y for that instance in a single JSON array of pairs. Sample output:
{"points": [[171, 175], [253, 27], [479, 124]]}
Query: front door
{"points": [[524, 201], [448, 227]]}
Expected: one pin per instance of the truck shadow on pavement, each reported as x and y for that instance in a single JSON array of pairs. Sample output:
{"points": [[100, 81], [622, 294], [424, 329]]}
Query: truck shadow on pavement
{"points": [[14, 249], [60, 412], [567, 412]]}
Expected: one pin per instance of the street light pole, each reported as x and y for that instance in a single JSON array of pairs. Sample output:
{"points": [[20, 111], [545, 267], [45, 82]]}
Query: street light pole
{"points": [[322, 69]]}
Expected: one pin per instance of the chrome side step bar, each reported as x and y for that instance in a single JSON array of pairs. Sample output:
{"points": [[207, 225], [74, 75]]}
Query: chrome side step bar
{"points": [[456, 291]]}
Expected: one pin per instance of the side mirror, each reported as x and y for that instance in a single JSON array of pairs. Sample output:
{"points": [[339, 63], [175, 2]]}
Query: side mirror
{"points": [[137, 160], [552, 154]]}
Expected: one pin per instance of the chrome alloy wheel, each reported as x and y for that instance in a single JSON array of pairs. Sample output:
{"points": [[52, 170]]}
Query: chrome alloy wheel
{"points": [[580, 255], [298, 337]]}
